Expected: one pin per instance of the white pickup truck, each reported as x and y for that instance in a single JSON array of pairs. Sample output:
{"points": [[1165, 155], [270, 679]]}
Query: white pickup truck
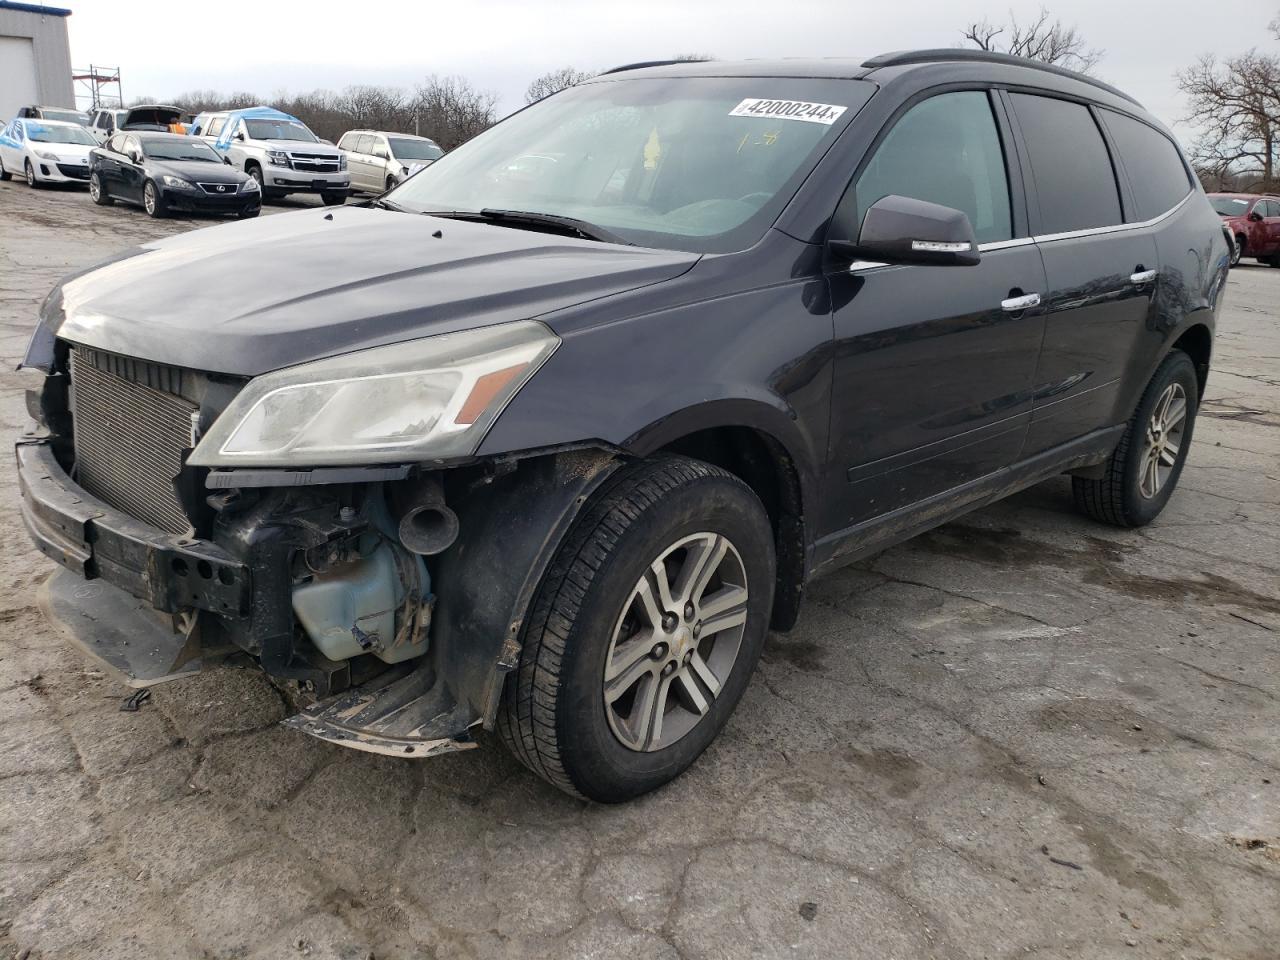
{"points": [[278, 151]]}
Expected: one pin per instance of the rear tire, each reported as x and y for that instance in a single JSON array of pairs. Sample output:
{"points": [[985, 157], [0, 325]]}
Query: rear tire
{"points": [[98, 195], [4, 174], [1144, 467], [593, 738]]}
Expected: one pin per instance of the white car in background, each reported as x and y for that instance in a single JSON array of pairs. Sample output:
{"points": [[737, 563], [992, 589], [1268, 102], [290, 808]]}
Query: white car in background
{"points": [[45, 151], [379, 160]]}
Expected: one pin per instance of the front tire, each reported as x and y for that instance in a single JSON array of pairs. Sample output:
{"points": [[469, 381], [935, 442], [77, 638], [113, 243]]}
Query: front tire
{"points": [[1237, 251], [153, 201], [97, 194], [644, 633], [333, 199], [1144, 467], [30, 172]]}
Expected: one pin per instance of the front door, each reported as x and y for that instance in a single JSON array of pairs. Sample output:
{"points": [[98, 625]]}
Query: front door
{"points": [[933, 365]]}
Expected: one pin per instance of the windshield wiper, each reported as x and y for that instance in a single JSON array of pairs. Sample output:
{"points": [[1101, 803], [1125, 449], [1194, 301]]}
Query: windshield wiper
{"points": [[571, 226], [383, 203]]}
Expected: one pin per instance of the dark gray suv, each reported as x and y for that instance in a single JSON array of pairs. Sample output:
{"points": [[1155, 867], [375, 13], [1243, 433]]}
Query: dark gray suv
{"points": [[548, 437]]}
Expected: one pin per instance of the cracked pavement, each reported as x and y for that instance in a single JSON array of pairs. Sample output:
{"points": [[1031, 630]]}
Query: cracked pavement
{"points": [[1022, 734]]}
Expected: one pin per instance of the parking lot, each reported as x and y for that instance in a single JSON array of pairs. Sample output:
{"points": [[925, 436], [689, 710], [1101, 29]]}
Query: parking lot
{"points": [[1020, 735]]}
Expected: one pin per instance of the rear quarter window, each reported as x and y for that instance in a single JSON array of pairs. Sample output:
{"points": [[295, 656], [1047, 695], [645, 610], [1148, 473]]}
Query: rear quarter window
{"points": [[1071, 169], [1155, 170]]}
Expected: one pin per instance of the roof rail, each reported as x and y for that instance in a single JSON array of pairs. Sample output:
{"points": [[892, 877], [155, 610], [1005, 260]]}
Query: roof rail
{"points": [[647, 63], [900, 58]]}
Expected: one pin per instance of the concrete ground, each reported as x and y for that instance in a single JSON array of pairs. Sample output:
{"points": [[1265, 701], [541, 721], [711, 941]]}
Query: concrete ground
{"points": [[1020, 735]]}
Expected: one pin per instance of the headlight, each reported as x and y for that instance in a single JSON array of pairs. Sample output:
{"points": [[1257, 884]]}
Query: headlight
{"points": [[278, 158], [249, 186], [342, 161], [426, 400], [46, 155], [177, 183]]}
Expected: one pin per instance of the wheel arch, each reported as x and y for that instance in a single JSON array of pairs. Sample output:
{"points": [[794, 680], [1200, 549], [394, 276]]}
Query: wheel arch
{"points": [[1197, 342], [742, 438]]}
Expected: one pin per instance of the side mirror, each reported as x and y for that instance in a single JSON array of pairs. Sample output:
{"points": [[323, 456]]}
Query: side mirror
{"points": [[135, 156], [227, 161], [909, 231], [239, 135], [1255, 216], [382, 154]]}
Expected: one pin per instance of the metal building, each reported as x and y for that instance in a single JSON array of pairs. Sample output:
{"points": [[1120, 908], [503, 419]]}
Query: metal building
{"points": [[35, 59]]}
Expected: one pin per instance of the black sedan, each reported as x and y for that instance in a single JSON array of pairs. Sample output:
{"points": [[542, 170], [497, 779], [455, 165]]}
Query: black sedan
{"points": [[165, 171]]}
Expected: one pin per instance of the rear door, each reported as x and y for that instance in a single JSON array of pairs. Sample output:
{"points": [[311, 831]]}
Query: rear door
{"points": [[361, 160], [106, 164], [933, 365], [1101, 270], [10, 152]]}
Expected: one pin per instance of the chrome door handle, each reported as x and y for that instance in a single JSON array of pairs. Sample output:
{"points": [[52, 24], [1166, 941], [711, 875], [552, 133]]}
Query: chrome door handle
{"points": [[1142, 276], [1018, 304]]}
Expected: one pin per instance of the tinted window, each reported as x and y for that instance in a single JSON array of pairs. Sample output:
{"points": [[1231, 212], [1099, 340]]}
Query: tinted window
{"points": [[945, 150], [1072, 172], [1155, 170], [403, 148]]}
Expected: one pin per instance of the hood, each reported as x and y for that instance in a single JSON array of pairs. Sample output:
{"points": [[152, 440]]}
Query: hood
{"points": [[257, 295], [301, 146], [208, 171], [65, 152]]}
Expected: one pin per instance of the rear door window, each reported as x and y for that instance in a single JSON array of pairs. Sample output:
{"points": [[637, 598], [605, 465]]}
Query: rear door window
{"points": [[944, 150], [1154, 167], [1073, 179], [215, 126]]}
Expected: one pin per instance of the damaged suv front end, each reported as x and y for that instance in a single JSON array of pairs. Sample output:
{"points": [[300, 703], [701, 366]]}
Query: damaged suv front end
{"points": [[329, 517]]}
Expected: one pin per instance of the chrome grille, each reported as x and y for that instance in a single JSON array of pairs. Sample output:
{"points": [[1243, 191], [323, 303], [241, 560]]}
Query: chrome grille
{"points": [[315, 162], [130, 438]]}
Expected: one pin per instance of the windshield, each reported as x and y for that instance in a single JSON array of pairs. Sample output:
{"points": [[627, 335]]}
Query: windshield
{"points": [[702, 164], [405, 149], [279, 130], [179, 150], [50, 134], [67, 116], [1230, 206]]}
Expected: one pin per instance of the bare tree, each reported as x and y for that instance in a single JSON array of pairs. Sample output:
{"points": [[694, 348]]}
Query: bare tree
{"points": [[1236, 105], [1274, 26], [451, 111], [1044, 39], [554, 81]]}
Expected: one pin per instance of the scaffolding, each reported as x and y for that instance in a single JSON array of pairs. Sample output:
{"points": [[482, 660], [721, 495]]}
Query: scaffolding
{"points": [[94, 87]]}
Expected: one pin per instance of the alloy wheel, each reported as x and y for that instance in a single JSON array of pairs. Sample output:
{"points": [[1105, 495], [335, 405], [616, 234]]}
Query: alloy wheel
{"points": [[149, 199], [95, 189], [675, 642], [1165, 432], [31, 175]]}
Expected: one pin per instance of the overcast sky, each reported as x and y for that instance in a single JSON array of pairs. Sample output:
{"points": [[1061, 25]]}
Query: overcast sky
{"points": [[167, 48]]}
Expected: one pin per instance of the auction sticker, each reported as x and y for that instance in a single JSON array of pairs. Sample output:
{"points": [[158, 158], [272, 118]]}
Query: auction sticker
{"points": [[826, 113]]}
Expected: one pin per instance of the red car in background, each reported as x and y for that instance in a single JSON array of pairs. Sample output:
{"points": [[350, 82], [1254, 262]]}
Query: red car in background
{"points": [[1254, 221]]}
